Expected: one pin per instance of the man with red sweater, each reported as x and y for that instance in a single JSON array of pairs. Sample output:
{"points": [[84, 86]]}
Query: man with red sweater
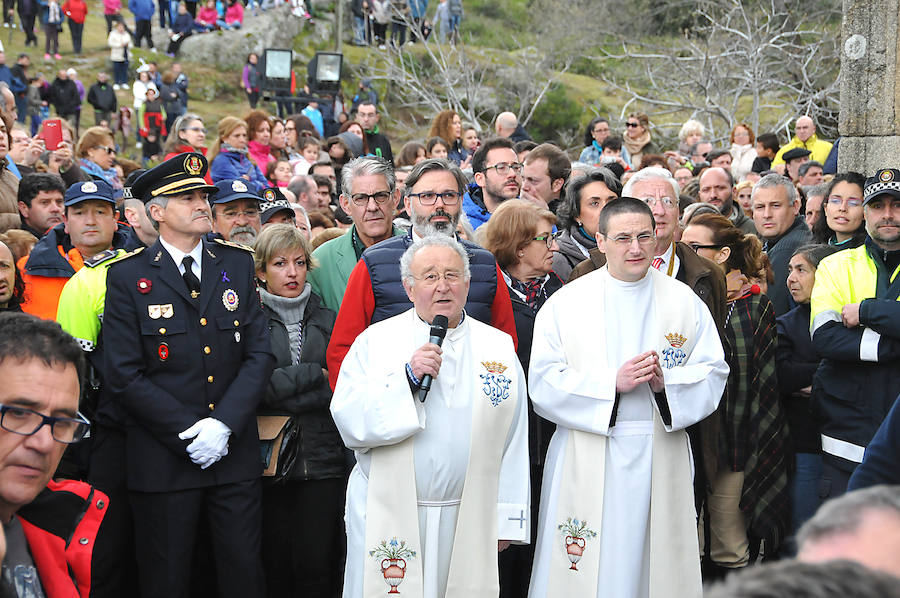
{"points": [[50, 528], [375, 292]]}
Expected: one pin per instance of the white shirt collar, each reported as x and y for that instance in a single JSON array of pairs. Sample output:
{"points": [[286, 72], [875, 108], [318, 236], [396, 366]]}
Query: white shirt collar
{"points": [[669, 257], [178, 255]]}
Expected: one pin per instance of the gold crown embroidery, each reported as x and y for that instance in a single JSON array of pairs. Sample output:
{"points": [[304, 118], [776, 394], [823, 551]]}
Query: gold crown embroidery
{"points": [[495, 367], [675, 339]]}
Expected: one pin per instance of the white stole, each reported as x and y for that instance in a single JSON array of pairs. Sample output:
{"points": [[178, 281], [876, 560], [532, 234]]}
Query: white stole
{"points": [[392, 522], [579, 513]]}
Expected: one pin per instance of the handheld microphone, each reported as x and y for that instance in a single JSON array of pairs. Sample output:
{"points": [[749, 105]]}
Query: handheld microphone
{"points": [[438, 332]]}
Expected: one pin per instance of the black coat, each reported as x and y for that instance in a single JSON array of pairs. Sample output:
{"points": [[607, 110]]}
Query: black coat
{"points": [[302, 390], [64, 96], [540, 431], [102, 97], [796, 363], [171, 361]]}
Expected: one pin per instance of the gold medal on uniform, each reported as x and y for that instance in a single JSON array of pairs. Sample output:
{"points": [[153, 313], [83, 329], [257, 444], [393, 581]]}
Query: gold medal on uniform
{"points": [[166, 310], [154, 311], [230, 299]]}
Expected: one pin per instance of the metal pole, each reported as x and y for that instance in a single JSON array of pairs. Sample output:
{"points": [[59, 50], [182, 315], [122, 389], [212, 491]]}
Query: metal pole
{"points": [[338, 25]]}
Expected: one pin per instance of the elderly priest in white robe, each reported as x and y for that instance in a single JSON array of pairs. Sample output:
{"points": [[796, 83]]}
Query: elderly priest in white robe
{"points": [[624, 359], [441, 485]]}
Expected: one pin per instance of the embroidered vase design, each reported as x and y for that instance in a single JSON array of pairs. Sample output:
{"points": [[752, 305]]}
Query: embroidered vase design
{"points": [[574, 550], [393, 554], [393, 571], [577, 534]]}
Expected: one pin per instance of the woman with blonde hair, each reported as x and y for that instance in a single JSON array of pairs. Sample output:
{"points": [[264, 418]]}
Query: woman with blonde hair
{"points": [[96, 151], [748, 500], [691, 132], [228, 155], [302, 514], [636, 142], [448, 126]]}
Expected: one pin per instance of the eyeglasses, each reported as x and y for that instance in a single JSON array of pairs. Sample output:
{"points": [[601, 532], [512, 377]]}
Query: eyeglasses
{"points": [[196, 129], [631, 125], [503, 168], [696, 246], [290, 129], [362, 199], [109, 150], [666, 201], [428, 198], [547, 239], [627, 240], [452, 277], [838, 201], [26, 422]]}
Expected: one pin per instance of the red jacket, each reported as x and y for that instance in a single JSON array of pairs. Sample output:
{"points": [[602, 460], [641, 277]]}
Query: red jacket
{"points": [[75, 10], [61, 526]]}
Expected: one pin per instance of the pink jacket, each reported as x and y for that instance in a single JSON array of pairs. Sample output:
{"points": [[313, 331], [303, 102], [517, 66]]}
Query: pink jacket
{"points": [[111, 7], [208, 16], [260, 154], [235, 13]]}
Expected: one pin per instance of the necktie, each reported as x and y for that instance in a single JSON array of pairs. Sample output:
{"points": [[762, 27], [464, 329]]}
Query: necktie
{"points": [[190, 279], [657, 262]]}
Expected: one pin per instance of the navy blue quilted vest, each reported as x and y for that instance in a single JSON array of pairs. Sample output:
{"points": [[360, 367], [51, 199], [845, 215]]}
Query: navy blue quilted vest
{"points": [[383, 262]]}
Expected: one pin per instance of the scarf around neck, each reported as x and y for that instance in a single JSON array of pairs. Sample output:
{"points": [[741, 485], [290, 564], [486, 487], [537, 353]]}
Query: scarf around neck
{"points": [[226, 147], [635, 146]]}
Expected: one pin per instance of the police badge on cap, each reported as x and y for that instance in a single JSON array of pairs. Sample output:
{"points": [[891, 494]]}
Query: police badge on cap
{"points": [[176, 176], [885, 182]]}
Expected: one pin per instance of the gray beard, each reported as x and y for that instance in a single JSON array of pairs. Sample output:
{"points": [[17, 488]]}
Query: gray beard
{"points": [[243, 234], [424, 227]]}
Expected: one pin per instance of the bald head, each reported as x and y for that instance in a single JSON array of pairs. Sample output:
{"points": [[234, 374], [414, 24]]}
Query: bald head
{"points": [[804, 128], [506, 124]]}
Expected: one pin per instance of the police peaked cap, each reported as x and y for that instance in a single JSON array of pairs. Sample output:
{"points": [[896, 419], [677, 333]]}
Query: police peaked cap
{"points": [[178, 175]]}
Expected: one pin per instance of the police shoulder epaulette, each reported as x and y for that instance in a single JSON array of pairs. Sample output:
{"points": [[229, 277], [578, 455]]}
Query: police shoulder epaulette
{"points": [[125, 256], [233, 244], [103, 256]]}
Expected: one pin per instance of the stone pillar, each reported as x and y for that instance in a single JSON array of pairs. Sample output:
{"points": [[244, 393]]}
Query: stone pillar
{"points": [[870, 86]]}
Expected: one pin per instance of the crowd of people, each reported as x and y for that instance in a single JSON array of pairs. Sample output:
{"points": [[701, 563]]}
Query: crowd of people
{"points": [[299, 363]]}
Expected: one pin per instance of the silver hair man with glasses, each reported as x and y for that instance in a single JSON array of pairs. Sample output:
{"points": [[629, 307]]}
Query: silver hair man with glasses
{"points": [[50, 526], [421, 514], [434, 191], [369, 197], [617, 503]]}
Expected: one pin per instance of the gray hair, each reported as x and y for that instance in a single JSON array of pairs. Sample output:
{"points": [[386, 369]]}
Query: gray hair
{"points": [[770, 181], [366, 166], [690, 127], [806, 580], [816, 190], [433, 164], [3, 85], [652, 172], [435, 240], [843, 515], [804, 168], [297, 207], [301, 184], [696, 209], [160, 200]]}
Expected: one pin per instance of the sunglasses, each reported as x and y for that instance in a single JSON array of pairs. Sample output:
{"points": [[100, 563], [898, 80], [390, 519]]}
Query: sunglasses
{"points": [[632, 125], [109, 150]]}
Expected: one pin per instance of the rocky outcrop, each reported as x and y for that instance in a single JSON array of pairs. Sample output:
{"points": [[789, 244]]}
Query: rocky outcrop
{"points": [[274, 28]]}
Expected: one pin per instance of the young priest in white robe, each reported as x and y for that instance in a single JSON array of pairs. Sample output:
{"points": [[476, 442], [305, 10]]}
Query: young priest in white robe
{"points": [[441, 485], [624, 359]]}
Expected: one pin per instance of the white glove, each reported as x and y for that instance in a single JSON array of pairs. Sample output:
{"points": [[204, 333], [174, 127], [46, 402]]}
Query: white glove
{"points": [[210, 441]]}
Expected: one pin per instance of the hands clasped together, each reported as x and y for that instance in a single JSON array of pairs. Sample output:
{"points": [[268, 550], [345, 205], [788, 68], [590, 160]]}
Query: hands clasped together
{"points": [[638, 370], [210, 441]]}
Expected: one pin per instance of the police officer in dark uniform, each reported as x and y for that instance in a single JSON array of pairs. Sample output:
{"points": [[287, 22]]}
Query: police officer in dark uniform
{"points": [[187, 358]]}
